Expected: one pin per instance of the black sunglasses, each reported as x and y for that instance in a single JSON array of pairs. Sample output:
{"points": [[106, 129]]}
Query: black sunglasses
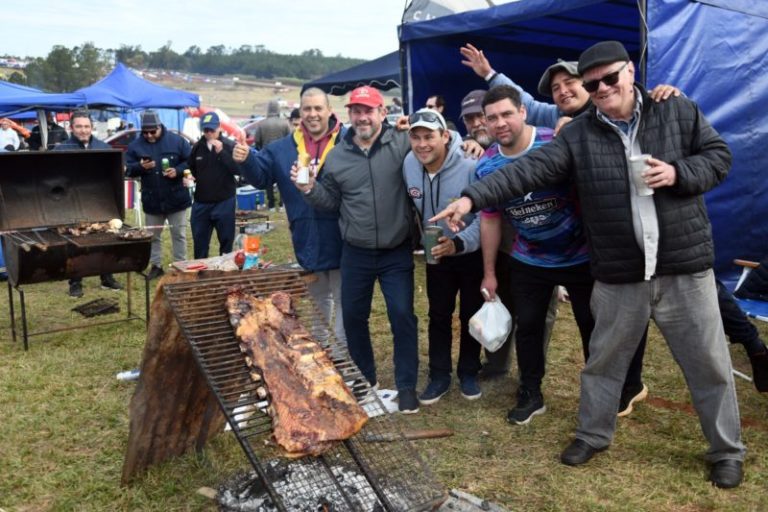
{"points": [[209, 130], [609, 79], [429, 117], [149, 132]]}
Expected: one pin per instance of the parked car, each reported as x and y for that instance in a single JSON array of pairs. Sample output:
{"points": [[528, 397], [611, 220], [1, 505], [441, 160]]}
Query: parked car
{"points": [[250, 129], [121, 139]]}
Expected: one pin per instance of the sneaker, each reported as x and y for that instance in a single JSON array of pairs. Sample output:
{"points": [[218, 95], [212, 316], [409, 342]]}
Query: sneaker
{"points": [[529, 404], [76, 289], [470, 389], [628, 397], [408, 403], [155, 272], [434, 390], [108, 283]]}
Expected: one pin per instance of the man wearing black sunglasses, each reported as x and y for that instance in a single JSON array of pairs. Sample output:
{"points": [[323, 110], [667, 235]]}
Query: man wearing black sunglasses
{"points": [[159, 157], [651, 255]]}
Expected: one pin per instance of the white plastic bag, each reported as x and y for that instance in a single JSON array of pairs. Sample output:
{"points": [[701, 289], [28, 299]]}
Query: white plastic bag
{"points": [[491, 324]]}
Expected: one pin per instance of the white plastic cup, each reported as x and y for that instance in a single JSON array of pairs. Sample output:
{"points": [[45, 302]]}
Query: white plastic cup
{"points": [[302, 176], [637, 166]]}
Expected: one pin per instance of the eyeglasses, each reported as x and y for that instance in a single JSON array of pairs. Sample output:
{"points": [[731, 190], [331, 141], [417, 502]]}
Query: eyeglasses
{"points": [[609, 79], [430, 106], [429, 117], [149, 132]]}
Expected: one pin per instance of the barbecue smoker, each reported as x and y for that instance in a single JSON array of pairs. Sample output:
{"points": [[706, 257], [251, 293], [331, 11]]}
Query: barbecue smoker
{"points": [[376, 470], [42, 192]]}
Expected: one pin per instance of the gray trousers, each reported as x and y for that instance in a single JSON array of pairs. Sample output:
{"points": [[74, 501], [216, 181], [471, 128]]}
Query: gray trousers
{"points": [[326, 292], [684, 307], [178, 223]]}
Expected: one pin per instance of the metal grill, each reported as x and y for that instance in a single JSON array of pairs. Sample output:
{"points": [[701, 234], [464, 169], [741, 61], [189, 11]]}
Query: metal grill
{"points": [[392, 476]]}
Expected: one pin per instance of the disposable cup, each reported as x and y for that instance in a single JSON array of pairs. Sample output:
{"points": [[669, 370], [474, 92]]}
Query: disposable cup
{"points": [[431, 235], [638, 165]]}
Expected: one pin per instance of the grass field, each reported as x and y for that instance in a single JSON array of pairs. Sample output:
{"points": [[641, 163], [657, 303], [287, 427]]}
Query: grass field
{"points": [[64, 425]]}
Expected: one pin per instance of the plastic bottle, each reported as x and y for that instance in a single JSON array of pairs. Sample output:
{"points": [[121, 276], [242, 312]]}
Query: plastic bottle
{"points": [[129, 375]]}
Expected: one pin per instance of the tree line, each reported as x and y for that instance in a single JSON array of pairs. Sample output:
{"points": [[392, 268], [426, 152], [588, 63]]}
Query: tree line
{"points": [[66, 69]]}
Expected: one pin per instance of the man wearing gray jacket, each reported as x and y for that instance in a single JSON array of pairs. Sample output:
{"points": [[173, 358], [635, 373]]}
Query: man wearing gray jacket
{"points": [[362, 179], [436, 171]]}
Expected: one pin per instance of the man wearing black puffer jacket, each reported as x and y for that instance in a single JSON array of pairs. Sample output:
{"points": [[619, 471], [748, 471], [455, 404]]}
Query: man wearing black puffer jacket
{"points": [[651, 255], [163, 195]]}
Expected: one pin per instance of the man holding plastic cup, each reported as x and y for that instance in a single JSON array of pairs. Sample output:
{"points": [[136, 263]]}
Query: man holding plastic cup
{"points": [[435, 172], [651, 255]]}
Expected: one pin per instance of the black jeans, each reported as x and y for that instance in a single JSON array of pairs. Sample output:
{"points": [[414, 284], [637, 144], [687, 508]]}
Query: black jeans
{"points": [[460, 274], [532, 290]]}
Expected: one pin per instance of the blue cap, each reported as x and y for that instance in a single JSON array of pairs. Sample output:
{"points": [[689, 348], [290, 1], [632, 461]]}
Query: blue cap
{"points": [[209, 120]]}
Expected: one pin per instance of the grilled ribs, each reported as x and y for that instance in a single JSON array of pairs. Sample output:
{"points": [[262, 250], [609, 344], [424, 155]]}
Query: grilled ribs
{"points": [[311, 407]]}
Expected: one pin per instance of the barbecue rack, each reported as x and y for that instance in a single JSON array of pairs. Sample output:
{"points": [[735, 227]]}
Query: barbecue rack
{"points": [[394, 477]]}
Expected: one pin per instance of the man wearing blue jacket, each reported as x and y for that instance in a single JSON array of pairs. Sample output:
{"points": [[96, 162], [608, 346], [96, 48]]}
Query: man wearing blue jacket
{"points": [[82, 139], [163, 194], [435, 172], [315, 234]]}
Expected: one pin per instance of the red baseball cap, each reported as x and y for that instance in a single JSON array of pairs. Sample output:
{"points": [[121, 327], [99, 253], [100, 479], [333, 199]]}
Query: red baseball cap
{"points": [[367, 96]]}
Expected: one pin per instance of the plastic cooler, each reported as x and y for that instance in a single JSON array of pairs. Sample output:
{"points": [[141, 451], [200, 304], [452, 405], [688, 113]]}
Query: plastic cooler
{"points": [[2, 263], [248, 198]]}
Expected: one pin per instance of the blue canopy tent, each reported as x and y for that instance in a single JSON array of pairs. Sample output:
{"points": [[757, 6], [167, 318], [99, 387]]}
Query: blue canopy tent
{"points": [[15, 98], [124, 89], [714, 50], [382, 73]]}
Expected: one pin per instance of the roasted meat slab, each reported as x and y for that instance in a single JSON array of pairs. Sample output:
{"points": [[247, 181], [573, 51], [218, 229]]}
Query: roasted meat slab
{"points": [[310, 405]]}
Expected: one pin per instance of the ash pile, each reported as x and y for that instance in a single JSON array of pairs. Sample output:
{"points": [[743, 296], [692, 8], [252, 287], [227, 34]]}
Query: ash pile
{"points": [[245, 492]]}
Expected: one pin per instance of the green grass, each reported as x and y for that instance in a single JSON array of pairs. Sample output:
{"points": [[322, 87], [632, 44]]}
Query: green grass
{"points": [[64, 425]]}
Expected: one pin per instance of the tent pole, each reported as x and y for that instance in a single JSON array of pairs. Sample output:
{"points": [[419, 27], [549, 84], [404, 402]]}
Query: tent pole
{"points": [[643, 7]]}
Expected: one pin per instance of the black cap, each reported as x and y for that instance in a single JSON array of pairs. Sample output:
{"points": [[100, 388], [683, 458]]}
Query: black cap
{"points": [[295, 114], [149, 119], [601, 53], [473, 102]]}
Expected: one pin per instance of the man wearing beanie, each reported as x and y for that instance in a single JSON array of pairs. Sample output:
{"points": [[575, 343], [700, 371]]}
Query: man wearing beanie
{"points": [[651, 255]]}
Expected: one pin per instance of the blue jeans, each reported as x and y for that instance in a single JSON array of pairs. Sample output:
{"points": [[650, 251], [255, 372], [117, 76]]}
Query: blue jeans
{"points": [[207, 216], [360, 268]]}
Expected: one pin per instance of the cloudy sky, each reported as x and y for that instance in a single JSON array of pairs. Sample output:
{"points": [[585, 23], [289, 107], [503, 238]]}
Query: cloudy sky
{"points": [[363, 28]]}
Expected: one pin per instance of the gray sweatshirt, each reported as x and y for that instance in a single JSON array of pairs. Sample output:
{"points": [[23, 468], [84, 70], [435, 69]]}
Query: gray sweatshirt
{"points": [[431, 197], [367, 190]]}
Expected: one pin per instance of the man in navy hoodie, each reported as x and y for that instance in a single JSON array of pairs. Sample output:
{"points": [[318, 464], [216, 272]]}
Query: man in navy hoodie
{"points": [[163, 194]]}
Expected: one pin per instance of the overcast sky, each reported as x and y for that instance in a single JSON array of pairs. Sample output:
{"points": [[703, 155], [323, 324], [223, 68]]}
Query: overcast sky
{"points": [[361, 28]]}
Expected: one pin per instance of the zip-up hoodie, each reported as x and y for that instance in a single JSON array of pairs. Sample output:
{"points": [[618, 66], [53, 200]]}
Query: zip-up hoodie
{"points": [[367, 190], [431, 197]]}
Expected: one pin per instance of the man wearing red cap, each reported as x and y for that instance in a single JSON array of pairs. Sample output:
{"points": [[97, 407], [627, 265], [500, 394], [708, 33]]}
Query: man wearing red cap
{"points": [[362, 179]]}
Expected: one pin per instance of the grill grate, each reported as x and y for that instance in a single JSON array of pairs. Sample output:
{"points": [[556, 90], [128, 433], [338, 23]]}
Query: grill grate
{"points": [[393, 476]]}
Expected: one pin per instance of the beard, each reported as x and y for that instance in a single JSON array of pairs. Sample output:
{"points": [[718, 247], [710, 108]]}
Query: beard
{"points": [[482, 138]]}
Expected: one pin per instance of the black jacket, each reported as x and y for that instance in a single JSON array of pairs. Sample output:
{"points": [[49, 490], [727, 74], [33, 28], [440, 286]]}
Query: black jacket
{"points": [[214, 172], [591, 154]]}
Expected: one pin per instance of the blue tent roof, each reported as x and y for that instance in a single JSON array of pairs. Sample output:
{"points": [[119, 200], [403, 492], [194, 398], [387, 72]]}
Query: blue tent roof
{"points": [[382, 73], [123, 88], [719, 61], [16, 98]]}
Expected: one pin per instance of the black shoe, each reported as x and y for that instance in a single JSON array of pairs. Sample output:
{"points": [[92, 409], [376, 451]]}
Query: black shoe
{"points": [[630, 395], [529, 404], [408, 402], [108, 283], [155, 272], [577, 453], [726, 473], [76, 289], [759, 363]]}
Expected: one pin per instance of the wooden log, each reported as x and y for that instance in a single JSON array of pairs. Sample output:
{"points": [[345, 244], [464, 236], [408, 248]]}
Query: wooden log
{"points": [[172, 410]]}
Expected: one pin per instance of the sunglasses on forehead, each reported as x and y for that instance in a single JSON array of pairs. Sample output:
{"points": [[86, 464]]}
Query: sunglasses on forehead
{"points": [[429, 117], [609, 79]]}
